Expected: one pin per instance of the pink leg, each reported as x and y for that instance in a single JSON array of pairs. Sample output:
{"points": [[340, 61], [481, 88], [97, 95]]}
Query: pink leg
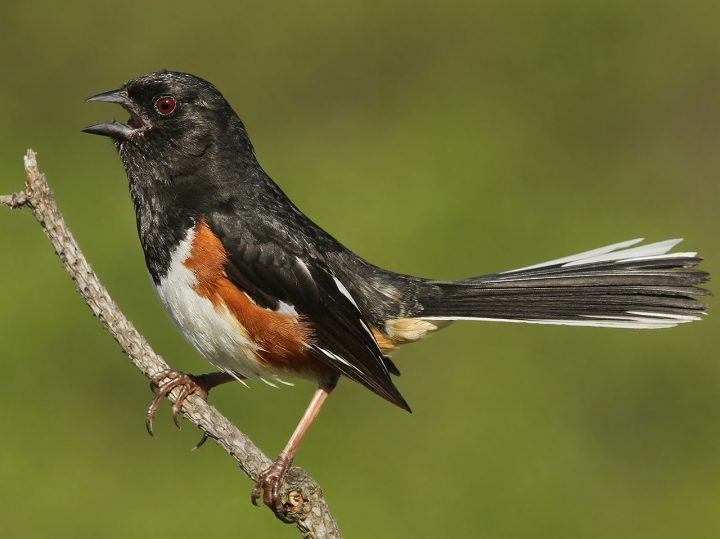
{"points": [[272, 477]]}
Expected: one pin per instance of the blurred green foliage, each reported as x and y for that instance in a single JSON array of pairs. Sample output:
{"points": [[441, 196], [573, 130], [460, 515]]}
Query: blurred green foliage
{"points": [[442, 139]]}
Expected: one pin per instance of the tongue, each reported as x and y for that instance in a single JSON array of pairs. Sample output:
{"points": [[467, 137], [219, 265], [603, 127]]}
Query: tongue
{"points": [[134, 123]]}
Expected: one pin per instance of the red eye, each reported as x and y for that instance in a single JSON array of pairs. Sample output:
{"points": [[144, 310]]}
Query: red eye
{"points": [[165, 105]]}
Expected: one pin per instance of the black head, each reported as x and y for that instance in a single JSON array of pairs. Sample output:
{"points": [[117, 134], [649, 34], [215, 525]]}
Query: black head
{"points": [[182, 147], [172, 114], [164, 101]]}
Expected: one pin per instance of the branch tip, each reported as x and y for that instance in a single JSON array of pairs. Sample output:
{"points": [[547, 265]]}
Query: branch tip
{"points": [[14, 200]]}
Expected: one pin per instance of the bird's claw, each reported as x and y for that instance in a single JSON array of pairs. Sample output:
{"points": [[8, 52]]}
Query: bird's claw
{"points": [[163, 383], [269, 482]]}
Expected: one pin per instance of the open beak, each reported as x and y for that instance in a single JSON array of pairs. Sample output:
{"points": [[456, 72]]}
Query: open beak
{"points": [[115, 129]]}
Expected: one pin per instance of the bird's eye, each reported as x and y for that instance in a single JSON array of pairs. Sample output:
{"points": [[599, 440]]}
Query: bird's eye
{"points": [[165, 105]]}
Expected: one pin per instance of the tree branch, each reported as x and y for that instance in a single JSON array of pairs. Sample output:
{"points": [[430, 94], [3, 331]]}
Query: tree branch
{"points": [[308, 508]]}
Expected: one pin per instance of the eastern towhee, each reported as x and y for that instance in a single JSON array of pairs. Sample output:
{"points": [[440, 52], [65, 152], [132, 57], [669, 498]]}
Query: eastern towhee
{"points": [[263, 292]]}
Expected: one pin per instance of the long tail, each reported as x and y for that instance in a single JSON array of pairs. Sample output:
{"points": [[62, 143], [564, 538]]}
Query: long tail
{"points": [[615, 286]]}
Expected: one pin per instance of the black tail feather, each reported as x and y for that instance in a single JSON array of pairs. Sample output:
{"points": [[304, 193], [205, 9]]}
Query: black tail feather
{"points": [[643, 287]]}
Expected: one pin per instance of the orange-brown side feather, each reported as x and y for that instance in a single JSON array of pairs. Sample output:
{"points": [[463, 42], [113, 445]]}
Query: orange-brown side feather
{"points": [[282, 338], [385, 343]]}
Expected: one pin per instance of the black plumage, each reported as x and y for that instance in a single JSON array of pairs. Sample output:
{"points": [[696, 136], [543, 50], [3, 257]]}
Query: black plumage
{"points": [[190, 163], [199, 163], [271, 270], [574, 293]]}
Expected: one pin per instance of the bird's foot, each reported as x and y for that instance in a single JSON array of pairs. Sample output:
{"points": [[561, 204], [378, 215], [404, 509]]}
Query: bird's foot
{"points": [[269, 482], [166, 380]]}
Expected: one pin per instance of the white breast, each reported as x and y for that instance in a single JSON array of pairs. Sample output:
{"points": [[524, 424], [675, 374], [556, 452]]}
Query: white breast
{"points": [[210, 329]]}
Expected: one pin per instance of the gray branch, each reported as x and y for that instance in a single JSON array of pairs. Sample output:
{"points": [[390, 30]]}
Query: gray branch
{"points": [[308, 509]]}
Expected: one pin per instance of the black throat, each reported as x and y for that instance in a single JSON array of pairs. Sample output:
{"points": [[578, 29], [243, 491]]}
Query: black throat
{"points": [[161, 224], [172, 193]]}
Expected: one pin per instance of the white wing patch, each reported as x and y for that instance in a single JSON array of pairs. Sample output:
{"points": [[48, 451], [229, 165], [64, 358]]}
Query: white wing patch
{"points": [[333, 355], [344, 291]]}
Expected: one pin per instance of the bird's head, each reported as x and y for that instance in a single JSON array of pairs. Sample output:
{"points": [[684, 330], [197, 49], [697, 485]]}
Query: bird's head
{"points": [[166, 103], [173, 116]]}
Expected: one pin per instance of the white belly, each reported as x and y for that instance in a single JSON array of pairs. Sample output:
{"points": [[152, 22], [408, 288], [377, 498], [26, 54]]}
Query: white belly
{"points": [[210, 329]]}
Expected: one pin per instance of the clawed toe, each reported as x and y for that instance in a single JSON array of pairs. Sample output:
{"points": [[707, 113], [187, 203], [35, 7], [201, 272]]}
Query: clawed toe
{"points": [[269, 482], [163, 383]]}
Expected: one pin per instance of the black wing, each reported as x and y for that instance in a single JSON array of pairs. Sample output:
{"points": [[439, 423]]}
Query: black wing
{"points": [[275, 269]]}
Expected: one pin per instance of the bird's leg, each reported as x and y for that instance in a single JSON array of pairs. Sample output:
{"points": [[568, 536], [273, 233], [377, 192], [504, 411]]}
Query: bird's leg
{"points": [[270, 479], [200, 384]]}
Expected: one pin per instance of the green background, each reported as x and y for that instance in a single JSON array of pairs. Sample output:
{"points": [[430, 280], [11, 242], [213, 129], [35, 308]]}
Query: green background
{"points": [[442, 139]]}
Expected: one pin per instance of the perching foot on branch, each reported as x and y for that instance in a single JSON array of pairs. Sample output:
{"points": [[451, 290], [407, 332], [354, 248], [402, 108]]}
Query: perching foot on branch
{"points": [[269, 482], [166, 380]]}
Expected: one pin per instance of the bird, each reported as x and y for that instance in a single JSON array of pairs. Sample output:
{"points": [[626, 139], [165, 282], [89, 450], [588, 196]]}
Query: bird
{"points": [[264, 293]]}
